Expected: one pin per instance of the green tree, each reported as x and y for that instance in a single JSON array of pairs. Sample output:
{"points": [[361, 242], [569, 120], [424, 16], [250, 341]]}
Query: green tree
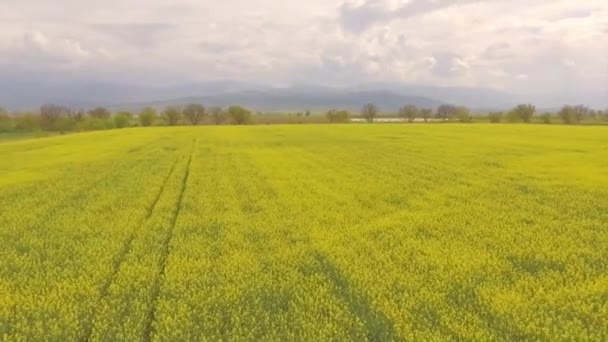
{"points": [[338, 116], [7, 122], [568, 115], [524, 112], [409, 112], [512, 116], [147, 116], [369, 112], [463, 114], [122, 119], [495, 117], [546, 118], [172, 114], [27, 122], [239, 115]]}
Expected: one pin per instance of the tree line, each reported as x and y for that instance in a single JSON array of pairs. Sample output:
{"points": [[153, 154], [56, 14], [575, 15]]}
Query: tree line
{"points": [[522, 113], [64, 119]]}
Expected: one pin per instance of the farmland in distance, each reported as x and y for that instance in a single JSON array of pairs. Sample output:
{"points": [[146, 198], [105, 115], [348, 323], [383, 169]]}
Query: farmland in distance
{"points": [[364, 232]]}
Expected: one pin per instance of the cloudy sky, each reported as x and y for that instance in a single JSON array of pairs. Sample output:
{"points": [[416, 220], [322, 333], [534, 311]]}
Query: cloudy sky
{"points": [[541, 46]]}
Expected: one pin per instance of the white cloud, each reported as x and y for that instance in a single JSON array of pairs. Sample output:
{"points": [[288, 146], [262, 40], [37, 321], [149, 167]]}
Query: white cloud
{"points": [[444, 42]]}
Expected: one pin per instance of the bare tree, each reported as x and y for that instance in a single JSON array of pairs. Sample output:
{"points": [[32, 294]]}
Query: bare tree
{"points": [[194, 113], [172, 114], [77, 114], [446, 111], [369, 112], [582, 112], [218, 115], [50, 115], [100, 113], [426, 114], [409, 112]]}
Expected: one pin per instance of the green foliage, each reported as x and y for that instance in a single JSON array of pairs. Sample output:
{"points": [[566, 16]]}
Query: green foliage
{"points": [[64, 124], [524, 112], [123, 119], [96, 124], [338, 116], [462, 114], [495, 117], [27, 122], [7, 123], [513, 117], [147, 116], [239, 115], [546, 118], [572, 114]]}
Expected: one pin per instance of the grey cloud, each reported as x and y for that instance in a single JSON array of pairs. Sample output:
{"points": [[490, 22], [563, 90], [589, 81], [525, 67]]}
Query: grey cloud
{"points": [[576, 14], [321, 41], [36, 49], [135, 34], [498, 51], [448, 65], [419, 7], [219, 47], [357, 19], [519, 29]]}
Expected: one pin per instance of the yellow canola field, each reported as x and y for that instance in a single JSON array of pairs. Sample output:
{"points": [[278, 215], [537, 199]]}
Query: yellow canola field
{"points": [[311, 232]]}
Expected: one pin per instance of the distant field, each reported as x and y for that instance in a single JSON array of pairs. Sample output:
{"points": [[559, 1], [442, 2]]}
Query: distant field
{"points": [[306, 232]]}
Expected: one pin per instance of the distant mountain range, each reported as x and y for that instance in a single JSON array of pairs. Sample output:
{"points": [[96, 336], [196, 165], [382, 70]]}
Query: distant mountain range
{"points": [[299, 97], [289, 99]]}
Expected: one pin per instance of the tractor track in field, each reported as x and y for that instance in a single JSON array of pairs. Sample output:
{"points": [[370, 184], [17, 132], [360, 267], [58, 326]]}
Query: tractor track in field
{"points": [[59, 204], [166, 249], [124, 251]]}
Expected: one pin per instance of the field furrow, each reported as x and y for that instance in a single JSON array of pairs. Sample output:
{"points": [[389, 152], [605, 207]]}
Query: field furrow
{"points": [[166, 249], [124, 252]]}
